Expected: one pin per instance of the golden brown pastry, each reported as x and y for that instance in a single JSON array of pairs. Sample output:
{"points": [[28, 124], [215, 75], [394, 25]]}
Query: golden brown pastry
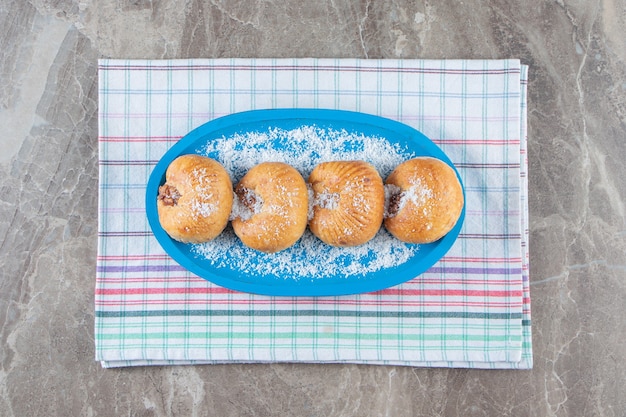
{"points": [[348, 202], [195, 202], [425, 201], [271, 208]]}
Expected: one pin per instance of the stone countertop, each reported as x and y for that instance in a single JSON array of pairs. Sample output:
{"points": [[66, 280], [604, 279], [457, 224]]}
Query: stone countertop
{"points": [[576, 51]]}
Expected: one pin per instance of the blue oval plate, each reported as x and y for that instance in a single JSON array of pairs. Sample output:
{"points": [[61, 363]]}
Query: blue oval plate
{"points": [[302, 138]]}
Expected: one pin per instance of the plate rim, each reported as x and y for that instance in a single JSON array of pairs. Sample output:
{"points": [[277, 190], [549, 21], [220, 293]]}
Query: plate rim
{"points": [[303, 287]]}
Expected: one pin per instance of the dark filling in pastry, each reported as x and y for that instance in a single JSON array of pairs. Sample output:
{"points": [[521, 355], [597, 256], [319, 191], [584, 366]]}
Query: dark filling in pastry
{"points": [[394, 204], [247, 197], [169, 195]]}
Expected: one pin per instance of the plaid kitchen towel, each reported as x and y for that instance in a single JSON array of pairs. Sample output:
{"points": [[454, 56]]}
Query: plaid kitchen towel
{"points": [[471, 309]]}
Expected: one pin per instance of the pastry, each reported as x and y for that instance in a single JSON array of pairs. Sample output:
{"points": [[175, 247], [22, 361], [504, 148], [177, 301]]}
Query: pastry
{"points": [[425, 200], [348, 202], [196, 200], [271, 208]]}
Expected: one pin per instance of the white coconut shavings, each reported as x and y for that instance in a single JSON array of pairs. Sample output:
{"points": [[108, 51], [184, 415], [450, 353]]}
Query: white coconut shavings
{"points": [[417, 194], [304, 148], [309, 258], [202, 209], [328, 201], [202, 205]]}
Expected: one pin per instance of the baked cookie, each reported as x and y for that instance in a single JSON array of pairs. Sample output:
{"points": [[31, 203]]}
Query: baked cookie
{"points": [[425, 200], [271, 208], [196, 200], [348, 202]]}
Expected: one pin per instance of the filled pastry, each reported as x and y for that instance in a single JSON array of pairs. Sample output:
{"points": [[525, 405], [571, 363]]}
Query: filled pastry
{"points": [[195, 201], [348, 200], [271, 207], [425, 200]]}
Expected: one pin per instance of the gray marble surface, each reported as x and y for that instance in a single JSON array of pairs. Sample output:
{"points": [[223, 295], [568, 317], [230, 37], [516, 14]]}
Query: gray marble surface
{"points": [[576, 50]]}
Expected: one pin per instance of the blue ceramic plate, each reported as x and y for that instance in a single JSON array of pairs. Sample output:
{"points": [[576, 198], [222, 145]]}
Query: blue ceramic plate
{"points": [[303, 138]]}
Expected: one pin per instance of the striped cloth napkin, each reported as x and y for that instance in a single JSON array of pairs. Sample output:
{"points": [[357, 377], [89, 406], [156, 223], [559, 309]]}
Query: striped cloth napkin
{"points": [[471, 309]]}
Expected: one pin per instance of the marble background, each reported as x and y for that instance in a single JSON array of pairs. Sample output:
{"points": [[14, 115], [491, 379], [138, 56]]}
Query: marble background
{"points": [[576, 50]]}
